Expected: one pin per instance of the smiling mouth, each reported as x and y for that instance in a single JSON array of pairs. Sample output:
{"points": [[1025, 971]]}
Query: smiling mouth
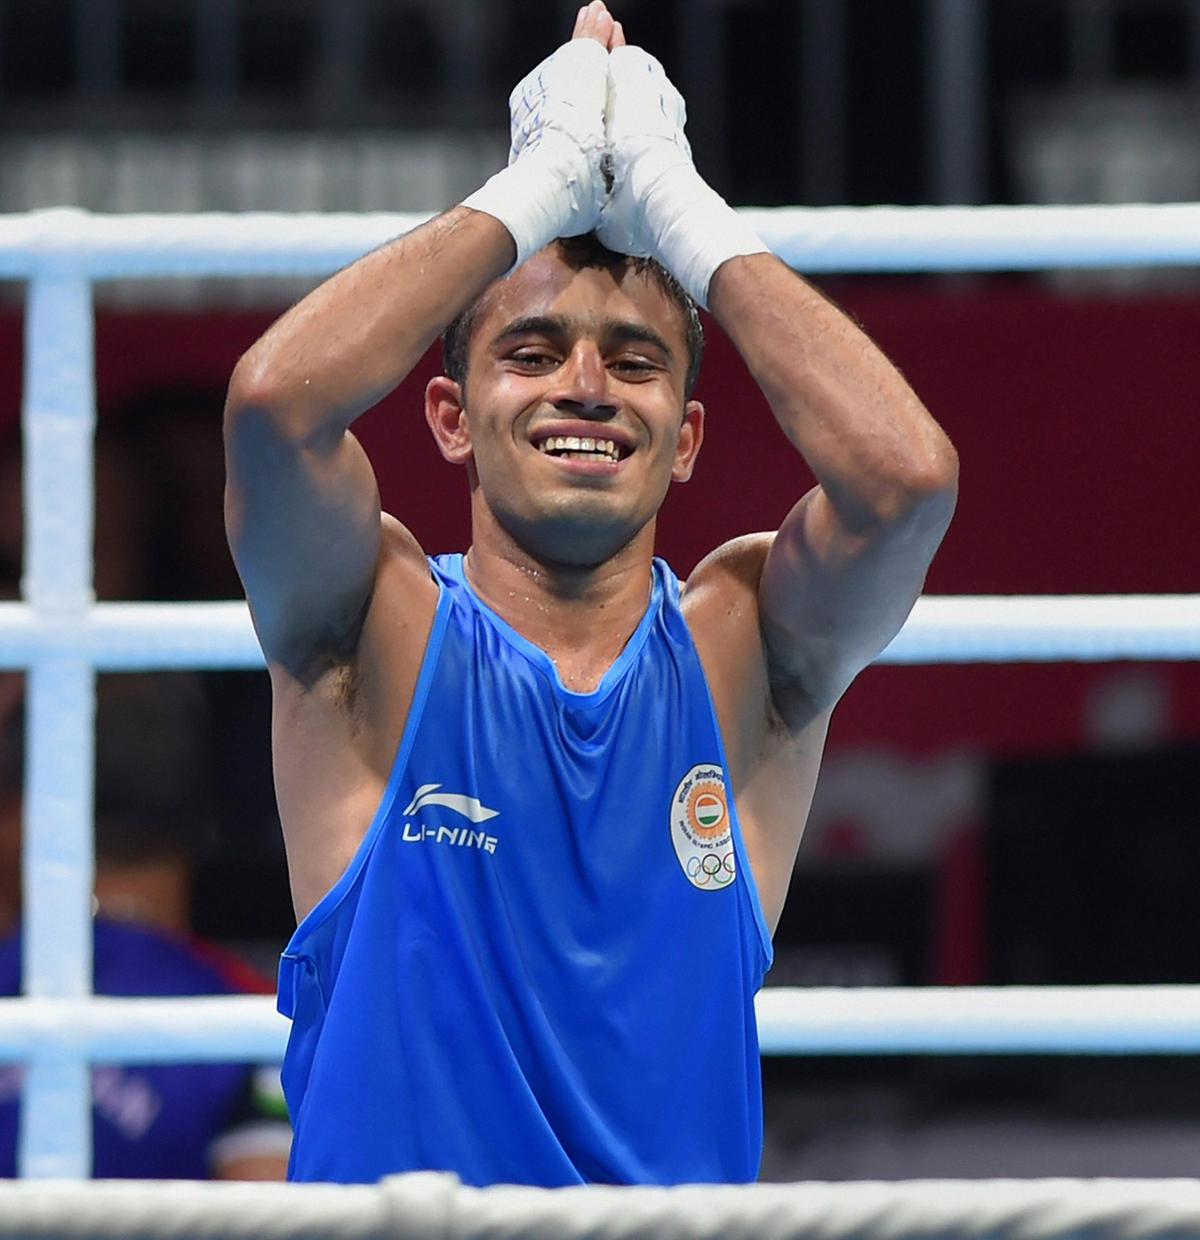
{"points": [[581, 448]]}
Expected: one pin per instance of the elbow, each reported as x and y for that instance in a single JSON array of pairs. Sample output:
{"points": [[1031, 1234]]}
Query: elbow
{"points": [[935, 478], [926, 464], [922, 491], [261, 401], [252, 390], [936, 496], [256, 426]]}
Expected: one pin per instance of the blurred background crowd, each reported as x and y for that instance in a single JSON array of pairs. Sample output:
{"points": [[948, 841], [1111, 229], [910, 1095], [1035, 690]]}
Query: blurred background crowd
{"points": [[986, 824]]}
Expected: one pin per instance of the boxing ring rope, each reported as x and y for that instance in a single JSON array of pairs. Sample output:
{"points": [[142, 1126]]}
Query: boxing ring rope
{"points": [[62, 637], [929, 1020], [123, 637], [811, 239], [426, 1205]]}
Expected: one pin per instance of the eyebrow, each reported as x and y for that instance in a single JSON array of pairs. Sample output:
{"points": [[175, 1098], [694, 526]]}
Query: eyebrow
{"points": [[558, 326]]}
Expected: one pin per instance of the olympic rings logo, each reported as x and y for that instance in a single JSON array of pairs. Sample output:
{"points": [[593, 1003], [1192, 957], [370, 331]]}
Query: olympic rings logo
{"points": [[712, 869]]}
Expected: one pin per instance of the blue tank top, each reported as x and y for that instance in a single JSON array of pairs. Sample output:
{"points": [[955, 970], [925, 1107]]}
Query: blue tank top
{"points": [[540, 966]]}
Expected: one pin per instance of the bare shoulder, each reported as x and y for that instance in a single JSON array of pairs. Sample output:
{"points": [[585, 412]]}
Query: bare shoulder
{"points": [[756, 699], [401, 556], [399, 539], [720, 604], [733, 568], [720, 598], [721, 601]]}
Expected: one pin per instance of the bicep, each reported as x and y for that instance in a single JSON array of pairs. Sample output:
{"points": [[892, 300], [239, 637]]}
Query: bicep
{"points": [[303, 519], [832, 598]]}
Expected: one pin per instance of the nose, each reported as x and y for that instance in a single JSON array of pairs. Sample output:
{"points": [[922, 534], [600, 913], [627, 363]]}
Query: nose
{"points": [[583, 383]]}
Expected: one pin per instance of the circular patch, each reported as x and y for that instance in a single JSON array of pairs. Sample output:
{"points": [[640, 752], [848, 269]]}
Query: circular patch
{"points": [[700, 829]]}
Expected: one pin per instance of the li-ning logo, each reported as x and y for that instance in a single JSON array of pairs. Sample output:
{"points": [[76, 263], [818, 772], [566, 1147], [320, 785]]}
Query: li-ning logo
{"points": [[468, 807], [427, 796]]}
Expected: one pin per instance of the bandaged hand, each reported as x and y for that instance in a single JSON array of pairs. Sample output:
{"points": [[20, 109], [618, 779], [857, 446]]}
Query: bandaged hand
{"points": [[659, 205], [554, 185]]}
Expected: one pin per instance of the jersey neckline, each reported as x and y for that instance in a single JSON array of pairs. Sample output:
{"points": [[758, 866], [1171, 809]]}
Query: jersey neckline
{"points": [[455, 567]]}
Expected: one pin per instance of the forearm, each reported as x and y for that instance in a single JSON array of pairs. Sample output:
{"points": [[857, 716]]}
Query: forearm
{"points": [[353, 339], [872, 445]]}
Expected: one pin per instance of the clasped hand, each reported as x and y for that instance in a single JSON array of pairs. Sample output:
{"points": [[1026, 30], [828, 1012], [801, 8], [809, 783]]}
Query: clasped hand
{"points": [[598, 144], [602, 112], [607, 104]]}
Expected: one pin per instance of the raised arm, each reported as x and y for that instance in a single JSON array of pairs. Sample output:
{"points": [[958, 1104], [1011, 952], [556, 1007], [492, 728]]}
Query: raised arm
{"points": [[849, 560], [301, 505], [301, 502]]}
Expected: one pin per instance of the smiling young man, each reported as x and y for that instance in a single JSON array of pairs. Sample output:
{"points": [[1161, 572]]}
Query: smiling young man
{"points": [[541, 802]]}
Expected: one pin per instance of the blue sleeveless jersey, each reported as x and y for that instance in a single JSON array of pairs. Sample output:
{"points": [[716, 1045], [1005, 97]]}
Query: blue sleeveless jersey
{"points": [[540, 966]]}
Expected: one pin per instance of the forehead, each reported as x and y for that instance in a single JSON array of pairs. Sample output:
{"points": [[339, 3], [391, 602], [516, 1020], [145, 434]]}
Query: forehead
{"points": [[591, 296]]}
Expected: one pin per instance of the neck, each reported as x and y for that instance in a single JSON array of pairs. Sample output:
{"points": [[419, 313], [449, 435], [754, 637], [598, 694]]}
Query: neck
{"points": [[580, 615]]}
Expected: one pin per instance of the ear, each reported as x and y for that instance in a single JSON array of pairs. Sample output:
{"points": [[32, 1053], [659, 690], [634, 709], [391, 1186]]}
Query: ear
{"points": [[447, 417], [691, 436]]}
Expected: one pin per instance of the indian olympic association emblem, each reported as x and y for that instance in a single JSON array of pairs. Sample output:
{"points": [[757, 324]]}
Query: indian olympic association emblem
{"points": [[701, 830]]}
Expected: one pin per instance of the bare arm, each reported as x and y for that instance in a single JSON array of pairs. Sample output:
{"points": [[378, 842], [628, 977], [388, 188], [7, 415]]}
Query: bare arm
{"points": [[850, 558], [301, 502]]}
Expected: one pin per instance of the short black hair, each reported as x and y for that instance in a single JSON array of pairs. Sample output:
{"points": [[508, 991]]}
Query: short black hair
{"points": [[580, 253]]}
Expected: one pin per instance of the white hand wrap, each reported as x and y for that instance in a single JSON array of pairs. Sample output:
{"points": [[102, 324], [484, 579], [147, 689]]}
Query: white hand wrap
{"points": [[660, 206], [553, 186]]}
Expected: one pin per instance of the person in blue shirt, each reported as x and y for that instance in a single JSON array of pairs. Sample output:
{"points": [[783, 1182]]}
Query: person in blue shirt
{"points": [[541, 800]]}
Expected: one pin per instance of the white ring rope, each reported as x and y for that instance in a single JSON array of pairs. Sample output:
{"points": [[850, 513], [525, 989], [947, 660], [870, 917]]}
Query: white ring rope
{"points": [[942, 629], [1102, 1020], [429, 1206], [812, 239]]}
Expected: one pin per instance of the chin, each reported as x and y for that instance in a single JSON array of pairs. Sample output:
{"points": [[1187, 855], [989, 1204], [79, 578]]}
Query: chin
{"points": [[583, 537]]}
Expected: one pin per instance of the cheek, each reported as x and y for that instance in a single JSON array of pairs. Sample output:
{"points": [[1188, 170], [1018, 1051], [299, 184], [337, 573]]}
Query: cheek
{"points": [[497, 407], [494, 450], [667, 427]]}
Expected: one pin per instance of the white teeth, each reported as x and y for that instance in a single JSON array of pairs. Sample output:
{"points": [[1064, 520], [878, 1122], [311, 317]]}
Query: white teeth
{"points": [[580, 447]]}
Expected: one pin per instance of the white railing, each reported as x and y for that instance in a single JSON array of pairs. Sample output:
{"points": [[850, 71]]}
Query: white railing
{"points": [[62, 637]]}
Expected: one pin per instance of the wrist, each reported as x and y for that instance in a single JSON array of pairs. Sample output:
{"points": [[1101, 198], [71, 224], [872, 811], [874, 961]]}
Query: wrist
{"points": [[695, 230], [552, 191], [660, 205]]}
